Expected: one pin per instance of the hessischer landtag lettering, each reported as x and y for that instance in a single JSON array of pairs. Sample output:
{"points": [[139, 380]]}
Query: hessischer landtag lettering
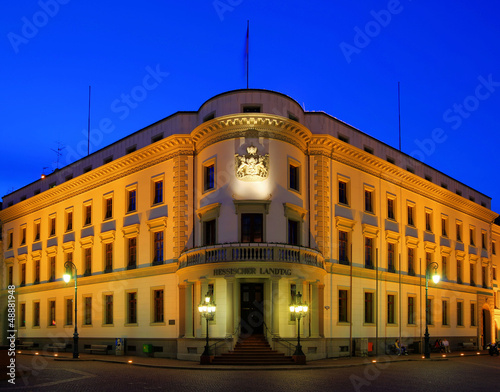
{"points": [[252, 271]]}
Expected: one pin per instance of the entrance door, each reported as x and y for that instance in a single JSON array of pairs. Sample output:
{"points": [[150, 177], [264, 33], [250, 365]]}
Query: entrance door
{"points": [[252, 308]]}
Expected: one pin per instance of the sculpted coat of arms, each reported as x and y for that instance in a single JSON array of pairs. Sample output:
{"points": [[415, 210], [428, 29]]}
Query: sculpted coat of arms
{"points": [[252, 166]]}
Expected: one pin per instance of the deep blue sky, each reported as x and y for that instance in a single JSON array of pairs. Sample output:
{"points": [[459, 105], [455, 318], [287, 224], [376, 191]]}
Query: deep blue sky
{"points": [[443, 53]]}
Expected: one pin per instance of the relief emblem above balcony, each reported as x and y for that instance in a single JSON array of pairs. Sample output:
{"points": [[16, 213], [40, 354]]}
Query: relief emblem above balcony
{"points": [[252, 166]]}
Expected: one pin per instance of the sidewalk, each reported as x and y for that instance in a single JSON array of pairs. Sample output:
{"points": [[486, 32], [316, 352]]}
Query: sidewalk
{"points": [[318, 364]]}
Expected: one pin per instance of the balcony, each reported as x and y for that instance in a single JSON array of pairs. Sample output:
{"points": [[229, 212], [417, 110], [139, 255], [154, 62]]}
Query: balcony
{"points": [[235, 252]]}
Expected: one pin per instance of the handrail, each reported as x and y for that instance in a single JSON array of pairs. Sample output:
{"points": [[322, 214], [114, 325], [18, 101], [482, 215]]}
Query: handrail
{"points": [[289, 346]]}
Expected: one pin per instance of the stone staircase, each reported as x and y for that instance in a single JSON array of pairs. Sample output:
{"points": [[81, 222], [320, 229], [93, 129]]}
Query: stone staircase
{"points": [[253, 350]]}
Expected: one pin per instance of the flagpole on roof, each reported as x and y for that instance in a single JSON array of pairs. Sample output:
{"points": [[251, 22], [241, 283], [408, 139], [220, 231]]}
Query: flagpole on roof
{"points": [[88, 129], [246, 50], [399, 116]]}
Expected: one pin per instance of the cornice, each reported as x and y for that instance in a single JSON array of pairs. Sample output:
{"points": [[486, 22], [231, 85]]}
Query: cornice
{"points": [[131, 163], [349, 155], [251, 125]]}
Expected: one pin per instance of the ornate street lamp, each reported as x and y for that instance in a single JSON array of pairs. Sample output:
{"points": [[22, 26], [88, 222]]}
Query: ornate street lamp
{"points": [[299, 309], [207, 309], [435, 278], [68, 265]]}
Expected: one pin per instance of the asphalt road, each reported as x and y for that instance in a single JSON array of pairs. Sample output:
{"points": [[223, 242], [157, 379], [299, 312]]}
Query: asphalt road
{"points": [[455, 374]]}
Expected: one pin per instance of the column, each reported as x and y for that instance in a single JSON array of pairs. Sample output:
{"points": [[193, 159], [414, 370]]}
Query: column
{"points": [[275, 306], [304, 328], [314, 311], [230, 306], [188, 310]]}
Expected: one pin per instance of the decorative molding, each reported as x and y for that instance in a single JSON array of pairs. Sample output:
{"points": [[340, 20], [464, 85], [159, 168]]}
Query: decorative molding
{"points": [[411, 242], [445, 251], [131, 230], [209, 212], [344, 224], [258, 206], [294, 211], [392, 236], [36, 254], [22, 258], [87, 242], [157, 223], [429, 246], [369, 230], [68, 246], [252, 166], [107, 236], [51, 251]]}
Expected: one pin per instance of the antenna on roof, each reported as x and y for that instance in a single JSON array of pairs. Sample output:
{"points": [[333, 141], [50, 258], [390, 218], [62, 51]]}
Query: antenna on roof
{"points": [[399, 115], [58, 152], [88, 129]]}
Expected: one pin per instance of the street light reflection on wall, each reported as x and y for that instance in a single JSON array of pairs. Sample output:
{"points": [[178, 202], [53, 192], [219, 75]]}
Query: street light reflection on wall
{"points": [[435, 278], [69, 265]]}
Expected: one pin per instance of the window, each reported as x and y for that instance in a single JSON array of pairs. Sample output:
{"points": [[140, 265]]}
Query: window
{"points": [[37, 272], [472, 277], [131, 149], [444, 268], [428, 221], [131, 196], [251, 109], [460, 316], [390, 257], [158, 247], [156, 138], [444, 225], [132, 253], [411, 310], [459, 232], [23, 235], [52, 269], [343, 192], [411, 262], [209, 177], [391, 160], [368, 200], [473, 314], [445, 312], [209, 117], [22, 315], [368, 252], [108, 309], [391, 309], [343, 138], [428, 259], [343, 306], [459, 271], [472, 233], [209, 232], [158, 192], [158, 306], [493, 248], [107, 160], [411, 212], [293, 176], [494, 275], [428, 311], [69, 311], [108, 213], [368, 149], [252, 229], [87, 311], [11, 275], [391, 208], [132, 308], [369, 311], [52, 312], [69, 221], [37, 231], [87, 257], [36, 314], [23, 274], [483, 240], [484, 279], [88, 214], [343, 247], [108, 257], [293, 232], [52, 229], [11, 237], [87, 169]]}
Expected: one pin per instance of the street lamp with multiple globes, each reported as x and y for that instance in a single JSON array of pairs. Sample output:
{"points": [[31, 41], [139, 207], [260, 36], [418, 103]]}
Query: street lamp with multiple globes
{"points": [[207, 309], [435, 278], [299, 309], [68, 265]]}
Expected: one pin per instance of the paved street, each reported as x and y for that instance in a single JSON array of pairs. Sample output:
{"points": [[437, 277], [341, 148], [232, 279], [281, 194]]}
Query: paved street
{"points": [[456, 374]]}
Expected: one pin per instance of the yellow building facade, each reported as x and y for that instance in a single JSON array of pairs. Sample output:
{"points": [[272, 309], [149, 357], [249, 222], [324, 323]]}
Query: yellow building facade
{"points": [[252, 200]]}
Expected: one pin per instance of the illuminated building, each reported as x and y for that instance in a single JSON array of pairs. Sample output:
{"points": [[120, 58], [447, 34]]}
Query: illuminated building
{"points": [[253, 200]]}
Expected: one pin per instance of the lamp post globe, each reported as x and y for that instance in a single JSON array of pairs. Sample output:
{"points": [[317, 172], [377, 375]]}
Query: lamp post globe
{"points": [[207, 309]]}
